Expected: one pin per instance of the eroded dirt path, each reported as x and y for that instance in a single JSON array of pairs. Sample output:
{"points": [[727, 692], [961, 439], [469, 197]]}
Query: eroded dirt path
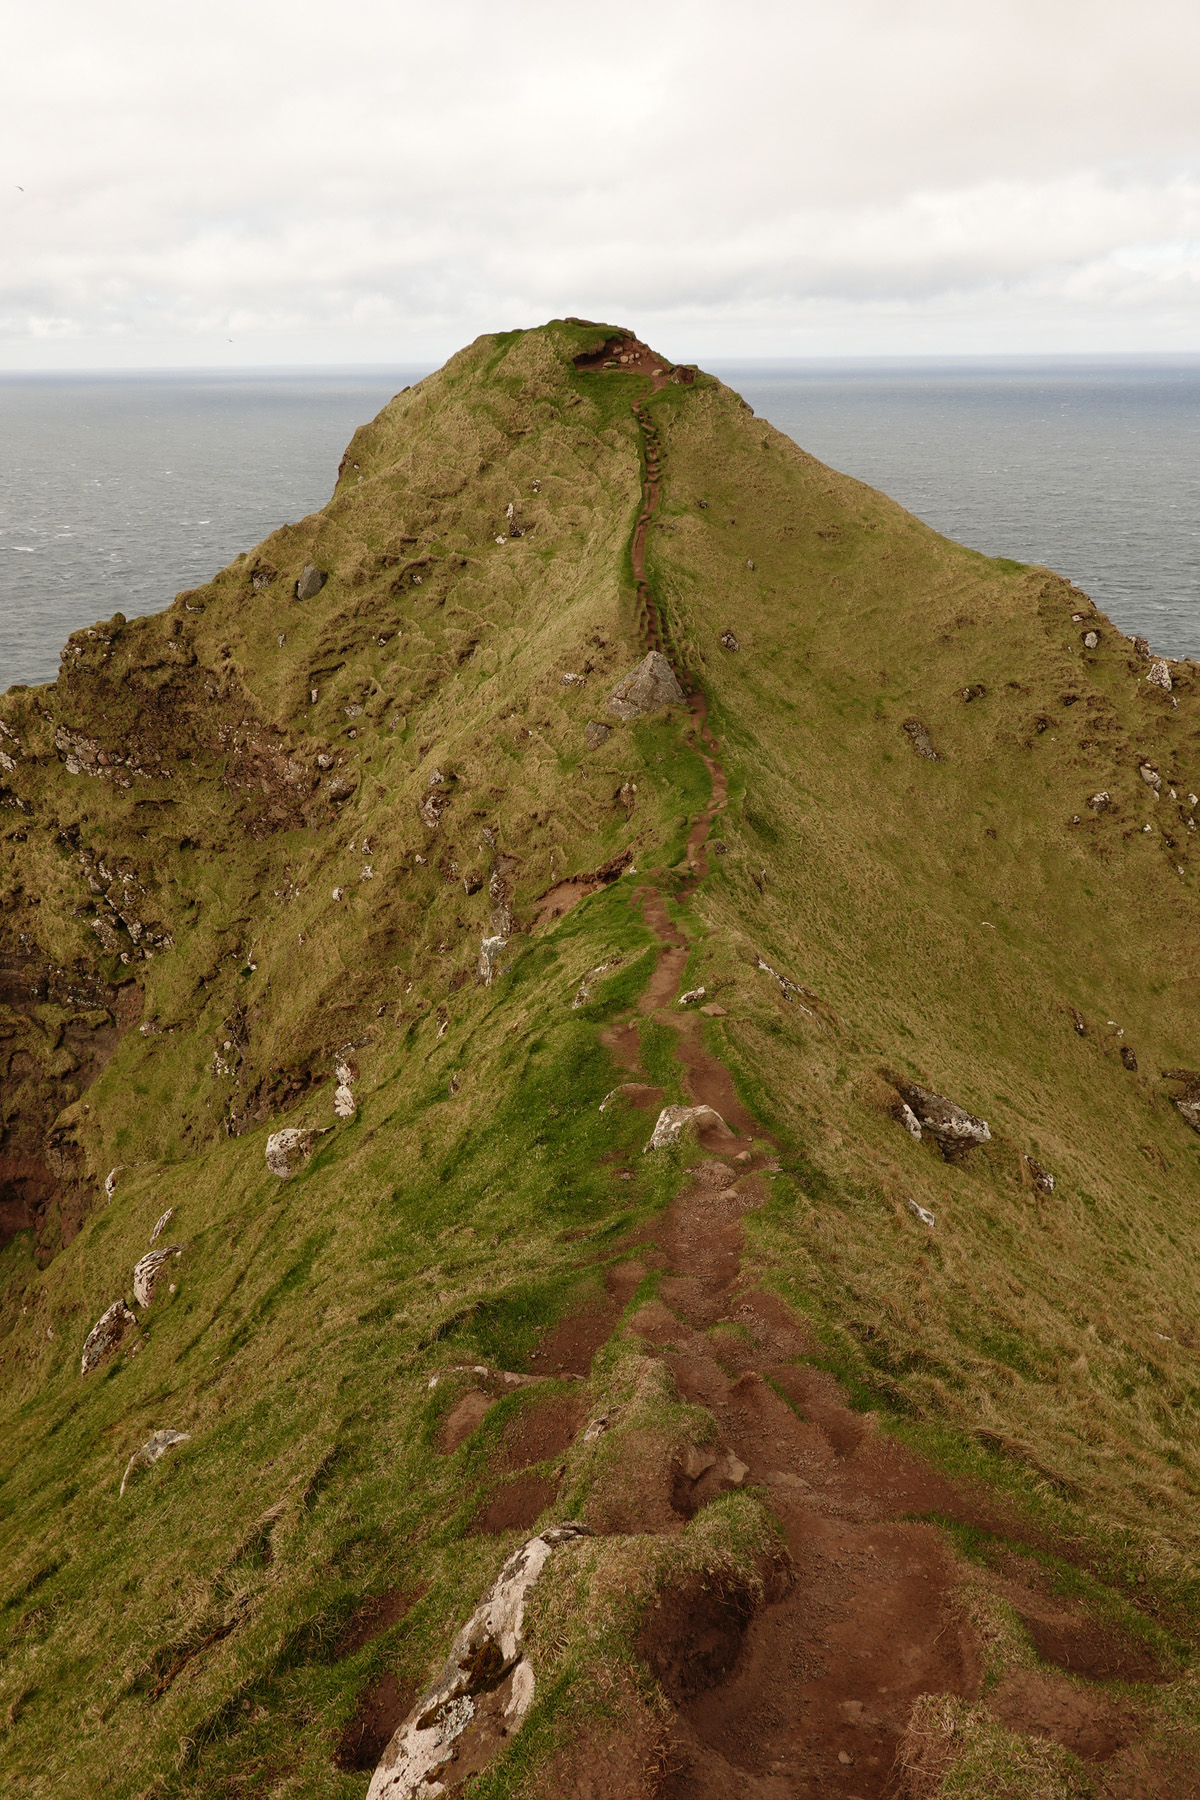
{"points": [[808, 1695]]}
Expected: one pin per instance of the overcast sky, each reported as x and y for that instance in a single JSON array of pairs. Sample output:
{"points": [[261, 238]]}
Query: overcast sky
{"points": [[381, 182]]}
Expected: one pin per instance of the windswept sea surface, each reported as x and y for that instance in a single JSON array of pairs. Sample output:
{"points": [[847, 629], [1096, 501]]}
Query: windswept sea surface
{"points": [[118, 490]]}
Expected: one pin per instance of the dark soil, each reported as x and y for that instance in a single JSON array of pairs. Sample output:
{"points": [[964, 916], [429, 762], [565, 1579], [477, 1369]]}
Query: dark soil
{"points": [[381, 1708], [517, 1506], [544, 1427], [377, 1613]]}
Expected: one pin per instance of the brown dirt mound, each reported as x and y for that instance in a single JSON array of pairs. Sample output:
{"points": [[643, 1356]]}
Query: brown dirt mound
{"points": [[377, 1613], [517, 1506], [381, 1707]]}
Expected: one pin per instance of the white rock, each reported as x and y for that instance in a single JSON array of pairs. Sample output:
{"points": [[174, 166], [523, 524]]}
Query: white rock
{"points": [[485, 1659], [288, 1149], [1160, 674], [926, 1218], [673, 1119], [161, 1224], [156, 1445], [909, 1120], [105, 1335], [490, 951], [344, 1104], [110, 1180], [146, 1271], [692, 995], [1150, 775]]}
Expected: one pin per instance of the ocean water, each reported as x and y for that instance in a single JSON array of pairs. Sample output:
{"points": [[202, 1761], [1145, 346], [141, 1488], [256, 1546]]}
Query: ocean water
{"points": [[116, 491]]}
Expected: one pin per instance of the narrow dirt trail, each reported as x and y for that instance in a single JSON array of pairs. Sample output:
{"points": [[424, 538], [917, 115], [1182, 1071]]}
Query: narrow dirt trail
{"points": [[810, 1696]]}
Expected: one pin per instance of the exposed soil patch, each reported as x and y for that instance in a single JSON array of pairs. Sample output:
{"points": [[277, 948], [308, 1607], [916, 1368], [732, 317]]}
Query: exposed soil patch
{"points": [[568, 1347], [543, 1428], [1047, 1706], [381, 1708], [565, 894], [517, 1506], [464, 1418], [376, 1614]]}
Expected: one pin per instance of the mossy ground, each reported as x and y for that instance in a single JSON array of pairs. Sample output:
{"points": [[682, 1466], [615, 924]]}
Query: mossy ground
{"points": [[948, 917]]}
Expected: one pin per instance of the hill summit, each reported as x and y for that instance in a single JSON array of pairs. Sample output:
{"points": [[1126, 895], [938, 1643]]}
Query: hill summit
{"points": [[598, 1178]]}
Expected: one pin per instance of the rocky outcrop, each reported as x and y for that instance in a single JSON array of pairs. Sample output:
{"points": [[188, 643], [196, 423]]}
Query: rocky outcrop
{"points": [[156, 1445], [146, 1272], [160, 1224], [289, 1149], [1187, 1103], [673, 1120], [484, 1690], [595, 734], [490, 952], [647, 688], [1160, 674], [344, 1104], [1041, 1177], [954, 1129], [106, 1335], [920, 739]]}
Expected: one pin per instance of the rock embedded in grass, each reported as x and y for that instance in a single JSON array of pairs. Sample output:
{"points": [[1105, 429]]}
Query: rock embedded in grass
{"points": [[147, 1270], [955, 1129], [311, 581], [595, 734], [156, 1445], [106, 1335], [289, 1149], [673, 1120], [646, 689]]}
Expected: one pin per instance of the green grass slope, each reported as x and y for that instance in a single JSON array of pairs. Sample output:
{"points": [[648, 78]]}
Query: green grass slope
{"points": [[218, 875]]}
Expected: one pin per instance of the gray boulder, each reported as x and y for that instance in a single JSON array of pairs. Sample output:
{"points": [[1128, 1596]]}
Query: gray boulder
{"points": [[673, 1120], [955, 1129], [922, 743], [595, 734], [105, 1335], [647, 688], [311, 581]]}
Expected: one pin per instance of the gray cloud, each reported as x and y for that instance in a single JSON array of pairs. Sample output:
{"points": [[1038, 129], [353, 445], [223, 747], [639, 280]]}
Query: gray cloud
{"points": [[884, 175]]}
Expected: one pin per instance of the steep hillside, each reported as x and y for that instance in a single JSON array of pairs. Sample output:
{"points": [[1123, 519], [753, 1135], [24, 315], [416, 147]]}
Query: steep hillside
{"points": [[364, 924]]}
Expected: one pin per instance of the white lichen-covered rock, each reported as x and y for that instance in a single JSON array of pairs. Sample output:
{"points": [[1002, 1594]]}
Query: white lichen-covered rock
{"points": [[490, 952], [691, 997], [954, 1128], [146, 1272], [289, 1149], [156, 1445], [344, 1104], [910, 1121], [484, 1690], [1160, 674], [651, 685], [672, 1121], [106, 1334], [110, 1180], [162, 1223], [925, 1216]]}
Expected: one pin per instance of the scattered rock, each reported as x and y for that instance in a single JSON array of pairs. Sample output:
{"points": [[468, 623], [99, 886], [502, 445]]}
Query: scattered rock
{"points": [[713, 1011], [340, 788], [156, 1445], [344, 1104], [1042, 1178], [162, 1223], [1150, 776], [647, 688], [1187, 1104], [1142, 646], [262, 577], [146, 1272], [1078, 1020], [730, 641], [1100, 802], [1091, 639], [692, 995], [1128, 1058], [673, 1119], [484, 1690], [922, 743], [289, 1149], [574, 680], [105, 1335], [1160, 674], [926, 1218], [955, 1129], [110, 1180], [909, 1120], [976, 692], [749, 562], [719, 847], [311, 581], [595, 734]]}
